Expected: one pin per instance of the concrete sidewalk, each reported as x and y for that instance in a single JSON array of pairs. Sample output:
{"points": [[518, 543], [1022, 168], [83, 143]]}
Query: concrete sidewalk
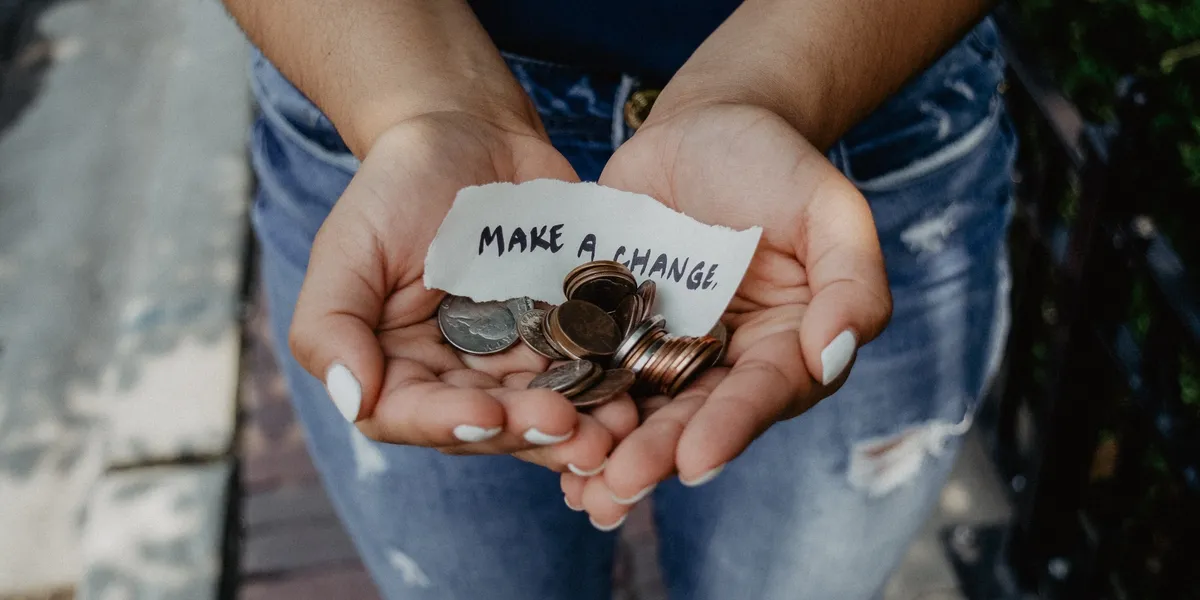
{"points": [[123, 191]]}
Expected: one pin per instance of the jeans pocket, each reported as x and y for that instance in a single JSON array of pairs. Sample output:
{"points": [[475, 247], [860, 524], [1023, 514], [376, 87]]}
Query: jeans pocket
{"points": [[290, 113], [933, 121]]}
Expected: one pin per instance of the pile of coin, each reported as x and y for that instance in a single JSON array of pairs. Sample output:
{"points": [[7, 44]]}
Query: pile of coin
{"points": [[607, 328]]}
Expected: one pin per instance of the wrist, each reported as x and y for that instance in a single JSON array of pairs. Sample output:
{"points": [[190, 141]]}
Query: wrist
{"points": [[495, 102], [799, 97]]}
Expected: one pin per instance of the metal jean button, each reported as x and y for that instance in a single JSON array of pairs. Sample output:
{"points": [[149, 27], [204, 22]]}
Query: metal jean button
{"points": [[637, 107]]}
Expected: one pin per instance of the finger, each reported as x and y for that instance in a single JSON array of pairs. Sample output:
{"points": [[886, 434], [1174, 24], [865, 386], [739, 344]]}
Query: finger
{"points": [[619, 416], [851, 302], [585, 454], [597, 500], [572, 487], [536, 417], [761, 385], [332, 333], [647, 456], [418, 409]]}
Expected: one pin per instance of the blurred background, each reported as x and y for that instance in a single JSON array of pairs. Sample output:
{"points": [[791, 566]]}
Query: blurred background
{"points": [[147, 448]]}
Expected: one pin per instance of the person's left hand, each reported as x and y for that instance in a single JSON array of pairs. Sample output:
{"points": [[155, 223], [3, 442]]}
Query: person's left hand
{"points": [[815, 291]]}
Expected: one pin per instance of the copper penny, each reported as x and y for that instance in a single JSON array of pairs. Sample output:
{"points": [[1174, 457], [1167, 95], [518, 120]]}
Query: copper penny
{"points": [[614, 382], [553, 334], [721, 334], [704, 361], [648, 291], [586, 327], [629, 314], [529, 327], [564, 377], [605, 291]]}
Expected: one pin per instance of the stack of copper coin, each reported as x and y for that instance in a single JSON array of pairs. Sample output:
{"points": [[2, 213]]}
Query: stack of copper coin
{"points": [[607, 328], [664, 363]]}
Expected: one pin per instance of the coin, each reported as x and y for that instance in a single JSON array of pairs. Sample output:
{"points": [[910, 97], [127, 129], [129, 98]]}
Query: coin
{"points": [[564, 377], [648, 292], [529, 327], [613, 382], [587, 382], [600, 282], [639, 332], [604, 291], [519, 306], [585, 329], [705, 360], [721, 334], [547, 325], [476, 327], [628, 314]]}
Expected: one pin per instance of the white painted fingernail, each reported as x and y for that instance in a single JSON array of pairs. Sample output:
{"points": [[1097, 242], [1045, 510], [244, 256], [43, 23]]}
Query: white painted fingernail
{"points": [[533, 436], [608, 527], [837, 355], [345, 391], [567, 501], [471, 433], [580, 472], [703, 479], [636, 497]]}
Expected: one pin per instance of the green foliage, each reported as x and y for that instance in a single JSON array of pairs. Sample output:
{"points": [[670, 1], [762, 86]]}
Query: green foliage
{"points": [[1091, 44]]}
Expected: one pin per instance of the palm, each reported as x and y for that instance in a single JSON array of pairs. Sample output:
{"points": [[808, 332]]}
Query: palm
{"points": [[364, 300], [817, 272], [739, 166]]}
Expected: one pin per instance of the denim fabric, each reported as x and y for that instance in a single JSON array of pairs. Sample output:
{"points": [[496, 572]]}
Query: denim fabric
{"points": [[821, 506]]}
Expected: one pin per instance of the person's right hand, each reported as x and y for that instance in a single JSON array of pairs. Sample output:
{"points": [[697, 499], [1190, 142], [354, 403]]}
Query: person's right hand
{"points": [[366, 325]]}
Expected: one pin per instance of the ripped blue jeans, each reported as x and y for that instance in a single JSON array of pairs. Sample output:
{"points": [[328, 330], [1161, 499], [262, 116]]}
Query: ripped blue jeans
{"points": [[821, 506]]}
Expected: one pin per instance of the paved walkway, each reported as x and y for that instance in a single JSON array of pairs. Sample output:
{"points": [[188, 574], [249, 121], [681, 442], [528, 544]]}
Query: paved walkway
{"points": [[123, 189]]}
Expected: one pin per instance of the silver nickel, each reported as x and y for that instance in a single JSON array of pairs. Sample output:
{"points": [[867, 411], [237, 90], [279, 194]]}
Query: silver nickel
{"points": [[565, 377], [631, 340], [477, 327]]}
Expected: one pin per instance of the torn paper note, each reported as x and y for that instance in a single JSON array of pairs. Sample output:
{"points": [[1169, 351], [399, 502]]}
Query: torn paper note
{"points": [[505, 240]]}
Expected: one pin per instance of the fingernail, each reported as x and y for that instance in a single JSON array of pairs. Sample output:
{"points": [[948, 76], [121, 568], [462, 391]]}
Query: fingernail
{"points": [[567, 501], [837, 355], [471, 433], [608, 527], [345, 391], [636, 497], [703, 479], [580, 472], [533, 436]]}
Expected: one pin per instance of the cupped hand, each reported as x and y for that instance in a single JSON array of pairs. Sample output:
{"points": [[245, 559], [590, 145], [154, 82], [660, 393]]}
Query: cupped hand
{"points": [[366, 325], [815, 291]]}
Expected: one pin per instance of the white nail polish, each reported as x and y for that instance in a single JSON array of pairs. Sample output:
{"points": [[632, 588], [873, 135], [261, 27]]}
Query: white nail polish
{"points": [[574, 508], [703, 479], [471, 433], [608, 527], [533, 436], [837, 355], [580, 472], [345, 391], [636, 497]]}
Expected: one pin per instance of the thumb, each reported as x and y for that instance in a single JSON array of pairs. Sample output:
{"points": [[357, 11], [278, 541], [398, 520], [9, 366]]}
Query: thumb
{"points": [[333, 329], [851, 303]]}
